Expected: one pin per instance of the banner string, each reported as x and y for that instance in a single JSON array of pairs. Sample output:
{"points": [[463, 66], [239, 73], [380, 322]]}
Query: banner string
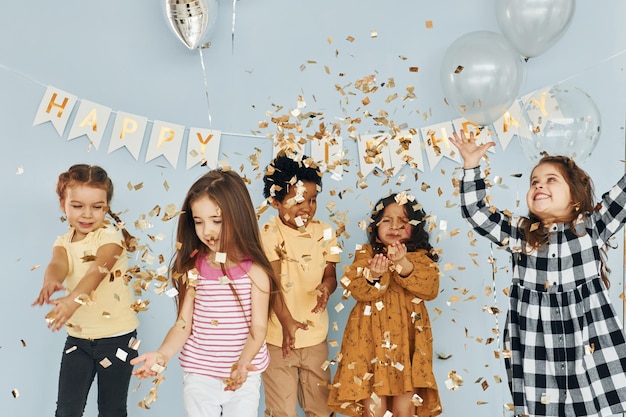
{"points": [[30, 79]]}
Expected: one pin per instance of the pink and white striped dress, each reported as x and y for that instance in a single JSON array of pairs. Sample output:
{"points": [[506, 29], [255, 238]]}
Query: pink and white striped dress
{"points": [[221, 322]]}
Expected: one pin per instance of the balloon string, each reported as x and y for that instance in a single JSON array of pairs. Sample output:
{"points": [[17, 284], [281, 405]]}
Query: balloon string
{"points": [[496, 311], [233, 28], [206, 88]]}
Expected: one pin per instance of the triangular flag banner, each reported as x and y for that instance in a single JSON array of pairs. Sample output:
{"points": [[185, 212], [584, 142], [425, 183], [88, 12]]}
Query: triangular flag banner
{"points": [[328, 154], [203, 146], [165, 139], [56, 107], [91, 120], [436, 143], [128, 131], [373, 153], [508, 125], [406, 148]]}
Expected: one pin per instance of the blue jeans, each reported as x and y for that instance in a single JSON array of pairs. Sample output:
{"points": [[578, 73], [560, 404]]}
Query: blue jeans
{"points": [[82, 360]]}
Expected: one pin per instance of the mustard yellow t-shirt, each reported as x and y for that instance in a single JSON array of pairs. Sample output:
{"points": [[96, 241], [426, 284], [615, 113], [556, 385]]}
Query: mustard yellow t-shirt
{"points": [[304, 257], [110, 311]]}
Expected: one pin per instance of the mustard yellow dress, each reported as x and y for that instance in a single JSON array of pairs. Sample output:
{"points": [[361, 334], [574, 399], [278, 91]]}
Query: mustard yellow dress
{"points": [[387, 342]]}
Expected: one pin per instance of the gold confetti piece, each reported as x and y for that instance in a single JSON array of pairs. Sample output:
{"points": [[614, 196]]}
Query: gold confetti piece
{"points": [[373, 34], [121, 354], [23, 342], [134, 343], [70, 350], [158, 368], [84, 299], [429, 24], [35, 267], [15, 393], [458, 69], [105, 363]]}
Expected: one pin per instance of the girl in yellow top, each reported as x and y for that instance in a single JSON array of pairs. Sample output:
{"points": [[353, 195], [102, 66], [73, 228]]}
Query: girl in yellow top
{"points": [[387, 342], [96, 310]]}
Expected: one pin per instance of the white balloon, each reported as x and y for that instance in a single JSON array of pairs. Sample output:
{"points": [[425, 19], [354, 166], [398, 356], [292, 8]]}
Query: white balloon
{"points": [[481, 75], [191, 21], [561, 120], [533, 26]]}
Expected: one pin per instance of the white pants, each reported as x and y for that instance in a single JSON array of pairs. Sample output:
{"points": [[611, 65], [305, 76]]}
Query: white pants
{"points": [[204, 396]]}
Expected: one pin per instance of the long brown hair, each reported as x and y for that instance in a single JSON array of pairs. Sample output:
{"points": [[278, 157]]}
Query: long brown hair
{"points": [[96, 177], [239, 236], [583, 199]]}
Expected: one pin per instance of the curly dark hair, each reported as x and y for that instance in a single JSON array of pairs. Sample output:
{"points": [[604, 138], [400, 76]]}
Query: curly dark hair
{"points": [[419, 235], [285, 170]]}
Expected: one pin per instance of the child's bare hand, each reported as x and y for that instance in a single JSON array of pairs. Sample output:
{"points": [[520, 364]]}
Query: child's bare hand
{"points": [[323, 294], [469, 149], [46, 292], [396, 251], [238, 375], [153, 364], [378, 265], [289, 335], [63, 310]]}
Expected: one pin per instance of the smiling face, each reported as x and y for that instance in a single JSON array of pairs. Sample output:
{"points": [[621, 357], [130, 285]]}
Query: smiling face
{"points": [[549, 196], [207, 218], [394, 225], [85, 208], [299, 205]]}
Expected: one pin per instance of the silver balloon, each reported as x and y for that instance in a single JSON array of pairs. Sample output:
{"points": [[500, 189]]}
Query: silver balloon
{"points": [[191, 20], [561, 120], [533, 26], [481, 74]]}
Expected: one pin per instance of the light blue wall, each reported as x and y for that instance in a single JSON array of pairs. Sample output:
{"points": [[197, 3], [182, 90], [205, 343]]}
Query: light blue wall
{"points": [[121, 54]]}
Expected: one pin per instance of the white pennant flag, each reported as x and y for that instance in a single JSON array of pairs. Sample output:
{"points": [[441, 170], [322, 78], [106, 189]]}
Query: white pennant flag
{"points": [[91, 120], [436, 143], [508, 125], [406, 148], [373, 153], [328, 154], [203, 145], [56, 107], [165, 139], [128, 132]]}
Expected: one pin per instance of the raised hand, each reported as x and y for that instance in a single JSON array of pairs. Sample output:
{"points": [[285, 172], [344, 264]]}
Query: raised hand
{"points": [[471, 152]]}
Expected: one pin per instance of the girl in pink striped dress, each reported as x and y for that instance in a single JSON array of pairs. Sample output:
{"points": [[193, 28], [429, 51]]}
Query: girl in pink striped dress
{"points": [[225, 289]]}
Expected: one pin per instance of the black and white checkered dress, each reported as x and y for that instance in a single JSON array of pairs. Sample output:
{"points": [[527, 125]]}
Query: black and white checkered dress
{"points": [[568, 353]]}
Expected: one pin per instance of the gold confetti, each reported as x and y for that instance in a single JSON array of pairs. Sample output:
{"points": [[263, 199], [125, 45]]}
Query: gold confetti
{"points": [[458, 69], [105, 363], [15, 393]]}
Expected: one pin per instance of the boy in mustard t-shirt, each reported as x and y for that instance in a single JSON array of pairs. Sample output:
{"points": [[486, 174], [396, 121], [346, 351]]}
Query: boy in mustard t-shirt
{"points": [[303, 252]]}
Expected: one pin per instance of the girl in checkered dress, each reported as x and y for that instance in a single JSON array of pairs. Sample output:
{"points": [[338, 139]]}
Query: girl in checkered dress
{"points": [[566, 344]]}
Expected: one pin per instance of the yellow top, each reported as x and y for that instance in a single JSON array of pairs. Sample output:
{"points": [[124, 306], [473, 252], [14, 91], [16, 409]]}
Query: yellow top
{"points": [[109, 312], [303, 258]]}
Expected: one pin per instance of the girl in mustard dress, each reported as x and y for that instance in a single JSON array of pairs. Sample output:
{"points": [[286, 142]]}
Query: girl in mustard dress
{"points": [[386, 353]]}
